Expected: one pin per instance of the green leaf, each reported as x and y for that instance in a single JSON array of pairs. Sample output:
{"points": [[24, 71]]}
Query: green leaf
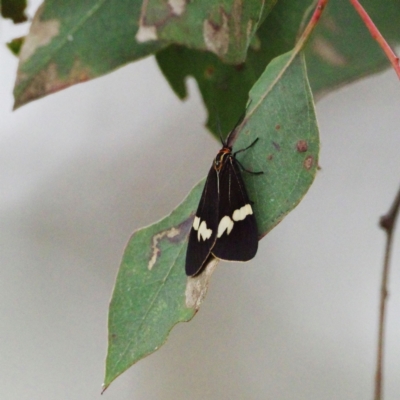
{"points": [[149, 296], [282, 115], [225, 87], [342, 50], [14, 9], [152, 292], [339, 51], [74, 41], [16, 44], [225, 28]]}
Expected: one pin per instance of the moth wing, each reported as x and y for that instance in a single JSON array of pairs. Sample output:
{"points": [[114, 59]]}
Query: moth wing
{"points": [[237, 234], [203, 233]]}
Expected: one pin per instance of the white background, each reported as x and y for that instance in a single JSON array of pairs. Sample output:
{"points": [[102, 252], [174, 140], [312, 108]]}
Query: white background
{"points": [[82, 169]]}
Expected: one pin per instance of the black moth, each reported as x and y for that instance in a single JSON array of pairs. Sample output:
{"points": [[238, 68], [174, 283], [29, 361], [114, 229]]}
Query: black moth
{"points": [[224, 226]]}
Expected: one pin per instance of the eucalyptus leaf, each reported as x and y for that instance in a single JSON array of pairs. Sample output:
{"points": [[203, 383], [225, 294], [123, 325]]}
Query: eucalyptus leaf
{"points": [[152, 292], [340, 50], [225, 28], [73, 41]]}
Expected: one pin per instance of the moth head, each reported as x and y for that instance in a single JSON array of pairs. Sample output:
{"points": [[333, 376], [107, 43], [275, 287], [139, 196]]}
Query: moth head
{"points": [[221, 157]]}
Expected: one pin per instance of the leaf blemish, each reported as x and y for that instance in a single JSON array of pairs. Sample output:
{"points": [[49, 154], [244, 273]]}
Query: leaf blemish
{"points": [[327, 52], [177, 6], [41, 34], [174, 235], [216, 37], [302, 146], [209, 72], [49, 81], [155, 250], [240, 67], [197, 286], [277, 146], [146, 33], [308, 162]]}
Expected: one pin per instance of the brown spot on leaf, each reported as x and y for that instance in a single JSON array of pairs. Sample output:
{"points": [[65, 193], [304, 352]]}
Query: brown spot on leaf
{"points": [[240, 67], [308, 162], [302, 146], [270, 157], [209, 71], [277, 127]]}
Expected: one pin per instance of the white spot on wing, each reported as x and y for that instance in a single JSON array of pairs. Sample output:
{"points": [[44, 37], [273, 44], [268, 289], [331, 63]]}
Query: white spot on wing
{"points": [[226, 224], [196, 223], [242, 213], [204, 232]]}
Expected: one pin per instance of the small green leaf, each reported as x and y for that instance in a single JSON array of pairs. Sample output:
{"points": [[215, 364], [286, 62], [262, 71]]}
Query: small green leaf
{"points": [[152, 292], [225, 28], [14, 9], [16, 44]]}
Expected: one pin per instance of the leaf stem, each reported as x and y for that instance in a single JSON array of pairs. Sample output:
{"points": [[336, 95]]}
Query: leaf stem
{"points": [[321, 4], [391, 55], [387, 223]]}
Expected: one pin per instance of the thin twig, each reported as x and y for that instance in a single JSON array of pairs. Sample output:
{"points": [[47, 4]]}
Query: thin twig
{"points": [[387, 223], [391, 55], [312, 24]]}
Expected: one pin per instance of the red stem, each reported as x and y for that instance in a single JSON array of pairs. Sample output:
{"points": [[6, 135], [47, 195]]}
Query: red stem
{"points": [[312, 23], [377, 36]]}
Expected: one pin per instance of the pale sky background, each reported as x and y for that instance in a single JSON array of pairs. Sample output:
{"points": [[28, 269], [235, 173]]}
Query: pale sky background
{"points": [[82, 169]]}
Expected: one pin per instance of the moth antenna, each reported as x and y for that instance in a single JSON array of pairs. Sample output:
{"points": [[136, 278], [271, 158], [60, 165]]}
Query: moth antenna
{"points": [[248, 171], [246, 148], [232, 134]]}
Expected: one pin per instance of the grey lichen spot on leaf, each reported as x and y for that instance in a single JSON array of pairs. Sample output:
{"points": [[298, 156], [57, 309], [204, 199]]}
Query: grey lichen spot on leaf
{"points": [[155, 250], [327, 52], [146, 33], [196, 287], [177, 6], [216, 37], [40, 34]]}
